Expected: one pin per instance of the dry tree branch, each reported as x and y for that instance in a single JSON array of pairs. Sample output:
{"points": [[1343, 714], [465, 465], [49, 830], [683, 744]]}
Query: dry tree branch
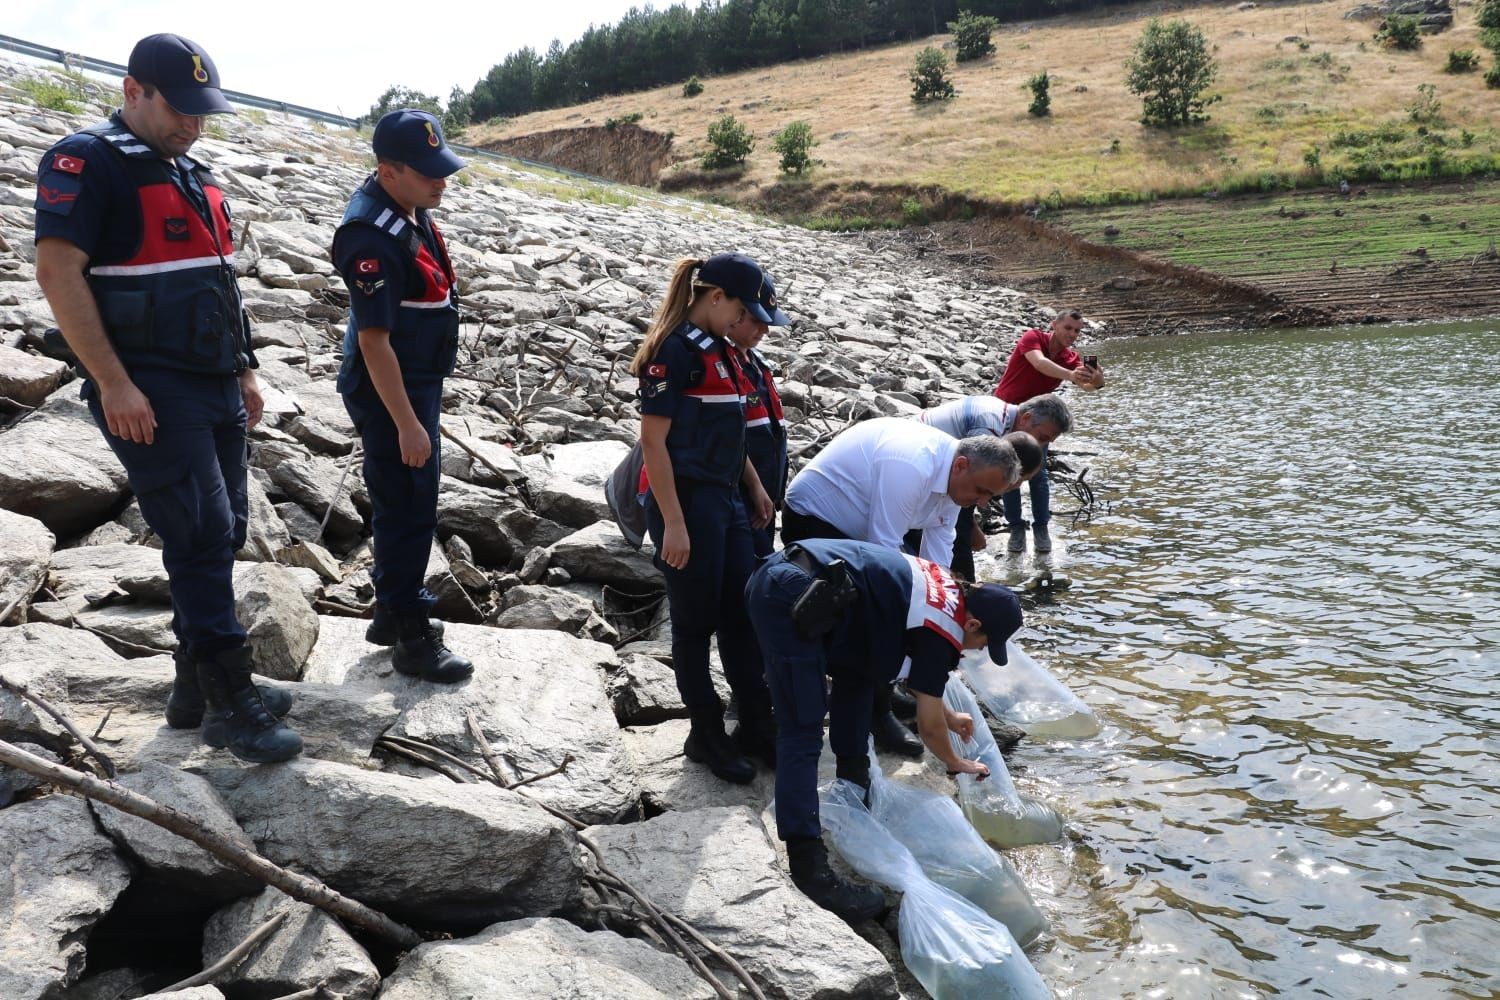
{"points": [[233, 958], [15, 687]]}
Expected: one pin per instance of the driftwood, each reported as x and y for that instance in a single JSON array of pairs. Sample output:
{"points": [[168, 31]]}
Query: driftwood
{"points": [[301, 887], [233, 958]]}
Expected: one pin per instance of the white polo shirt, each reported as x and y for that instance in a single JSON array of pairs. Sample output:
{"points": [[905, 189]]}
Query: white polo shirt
{"points": [[972, 415], [880, 479]]}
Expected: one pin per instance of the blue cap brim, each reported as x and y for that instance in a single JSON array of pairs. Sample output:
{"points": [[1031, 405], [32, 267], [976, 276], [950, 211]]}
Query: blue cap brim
{"points": [[773, 318], [439, 163], [196, 100]]}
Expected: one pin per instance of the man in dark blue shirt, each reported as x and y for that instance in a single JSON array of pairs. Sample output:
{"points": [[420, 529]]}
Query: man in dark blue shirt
{"points": [[401, 342], [135, 256]]}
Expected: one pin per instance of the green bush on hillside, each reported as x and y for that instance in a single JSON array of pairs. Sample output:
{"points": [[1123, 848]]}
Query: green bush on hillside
{"points": [[1426, 109], [971, 35], [929, 77], [728, 143], [1492, 77], [53, 92], [1462, 61], [1399, 32], [1169, 71], [1040, 86], [692, 87], [610, 124], [1488, 19], [795, 143]]}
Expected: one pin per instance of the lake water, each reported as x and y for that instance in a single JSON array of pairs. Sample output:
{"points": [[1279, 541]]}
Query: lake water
{"points": [[1288, 621]]}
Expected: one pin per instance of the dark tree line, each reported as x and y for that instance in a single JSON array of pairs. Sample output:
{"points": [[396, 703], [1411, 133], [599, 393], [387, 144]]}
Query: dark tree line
{"points": [[648, 48]]}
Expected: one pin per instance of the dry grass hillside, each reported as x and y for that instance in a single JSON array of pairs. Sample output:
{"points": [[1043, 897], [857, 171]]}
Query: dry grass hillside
{"points": [[1291, 76]]}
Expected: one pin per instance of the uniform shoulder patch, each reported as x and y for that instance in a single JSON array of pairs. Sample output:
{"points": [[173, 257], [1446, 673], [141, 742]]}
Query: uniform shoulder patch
{"points": [[370, 287], [367, 265], [656, 371], [68, 163], [57, 193]]}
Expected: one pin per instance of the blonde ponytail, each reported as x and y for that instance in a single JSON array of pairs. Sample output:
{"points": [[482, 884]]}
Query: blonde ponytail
{"points": [[670, 314]]}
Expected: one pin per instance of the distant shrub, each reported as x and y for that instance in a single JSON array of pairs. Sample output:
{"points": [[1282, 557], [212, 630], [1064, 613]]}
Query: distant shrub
{"points": [[53, 92], [610, 124], [1312, 157], [929, 77], [1399, 32], [1426, 109], [1462, 61], [1488, 19], [1170, 70], [1492, 77], [692, 87], [971, 35], [728, 143], [912, 212], [795, 143], [1041, 99]]}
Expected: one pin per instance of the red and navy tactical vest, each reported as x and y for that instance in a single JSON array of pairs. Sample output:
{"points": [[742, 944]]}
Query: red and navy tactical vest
{"points": [[707, 438], [765, 426], [426, 336], [174, 301]]}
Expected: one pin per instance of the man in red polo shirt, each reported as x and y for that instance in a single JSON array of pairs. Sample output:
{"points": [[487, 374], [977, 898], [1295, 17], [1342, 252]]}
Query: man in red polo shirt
{"points": [[1040, 362]]}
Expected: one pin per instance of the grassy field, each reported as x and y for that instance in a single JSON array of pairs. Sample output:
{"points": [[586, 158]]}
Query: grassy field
{"points": [[1293, 77]]}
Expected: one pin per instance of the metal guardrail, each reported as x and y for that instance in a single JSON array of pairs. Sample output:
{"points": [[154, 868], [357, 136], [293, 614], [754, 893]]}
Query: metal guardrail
{"points": [[73, 60]]}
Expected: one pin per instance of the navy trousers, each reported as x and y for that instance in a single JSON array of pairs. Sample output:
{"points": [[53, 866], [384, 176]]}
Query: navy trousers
{"points": [[190, 482], [795, 671], [403, 500], [707, 596], [1041, 500]]}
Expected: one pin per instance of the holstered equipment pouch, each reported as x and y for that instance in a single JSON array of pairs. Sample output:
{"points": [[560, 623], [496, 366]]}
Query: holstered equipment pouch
{"points": [[823, 604]]}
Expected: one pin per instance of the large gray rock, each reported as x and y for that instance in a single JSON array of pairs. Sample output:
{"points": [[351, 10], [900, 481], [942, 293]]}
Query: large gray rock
{"points": [[26, 547], [28, 378], [672, 783], [55, 467], [716, 868], [643, 691], [97, 569], [599, 553], [568, 485], [478, 516], [453, 602], [282, 627], [551, 608], [177, 860], [36, 656], [191, 993], [427, 851], [267, 534], [310, 947], [62, 876], [315, 483], [543, 959]]}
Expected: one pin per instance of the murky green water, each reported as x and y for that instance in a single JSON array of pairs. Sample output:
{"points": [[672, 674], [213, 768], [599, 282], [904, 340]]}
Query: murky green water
{"points": [[1289, 624]]}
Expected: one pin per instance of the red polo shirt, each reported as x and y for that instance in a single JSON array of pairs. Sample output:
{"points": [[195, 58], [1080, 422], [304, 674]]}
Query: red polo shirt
{"points": [[1021, 380]]}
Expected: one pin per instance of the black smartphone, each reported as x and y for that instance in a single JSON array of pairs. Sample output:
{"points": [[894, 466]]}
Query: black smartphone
{"points": [[1092, 361]]}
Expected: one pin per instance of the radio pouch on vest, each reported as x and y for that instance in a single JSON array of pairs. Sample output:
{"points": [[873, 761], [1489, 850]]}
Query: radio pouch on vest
{"points": [[823, 604]]}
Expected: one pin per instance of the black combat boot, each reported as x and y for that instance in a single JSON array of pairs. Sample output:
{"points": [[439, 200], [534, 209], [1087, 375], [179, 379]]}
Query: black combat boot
{"points": [[856, 770], [420, 653], [890, 735], [756, 733], [185, 703], [384, 629], [903, 705], [236, 717], [708, 744], [808, 858]]}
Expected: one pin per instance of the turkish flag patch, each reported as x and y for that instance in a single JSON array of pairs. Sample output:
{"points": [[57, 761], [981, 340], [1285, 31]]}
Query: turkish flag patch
{"points": [[369, 265], [656, 371], [67, 164]]}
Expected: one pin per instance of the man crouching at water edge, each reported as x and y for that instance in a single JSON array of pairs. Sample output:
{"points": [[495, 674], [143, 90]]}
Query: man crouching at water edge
{"points": [[866, 616]]}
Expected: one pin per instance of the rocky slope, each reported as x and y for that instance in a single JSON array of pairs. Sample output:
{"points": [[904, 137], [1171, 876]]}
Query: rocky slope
{"points": [[565, 623]]}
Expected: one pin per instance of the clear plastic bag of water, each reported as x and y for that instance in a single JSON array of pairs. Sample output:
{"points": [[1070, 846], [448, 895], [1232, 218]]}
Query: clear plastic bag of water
{"points": [[1000, 813], [1024, 694], [956, 950], [953, 854]]}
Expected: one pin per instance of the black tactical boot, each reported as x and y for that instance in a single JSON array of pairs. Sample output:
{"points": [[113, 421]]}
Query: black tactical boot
{"points": [[384, 630], [185, 703], [756, 733], [808, 859], [237, 718], [708, 744], [903, 705], [856, 770], [890, 735], [420, 653]]}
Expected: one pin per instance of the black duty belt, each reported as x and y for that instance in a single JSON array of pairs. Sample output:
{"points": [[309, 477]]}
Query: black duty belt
{"points": [[798, 557], [826, 600]]}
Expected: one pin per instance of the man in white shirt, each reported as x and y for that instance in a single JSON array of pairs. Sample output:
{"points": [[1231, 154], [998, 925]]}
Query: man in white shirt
{"points": [[882, 478]]}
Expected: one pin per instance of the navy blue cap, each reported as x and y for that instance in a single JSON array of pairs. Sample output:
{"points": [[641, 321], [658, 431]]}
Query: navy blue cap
{"points": [[742, 278], [999, 614], [415, 138], [182, 71]]}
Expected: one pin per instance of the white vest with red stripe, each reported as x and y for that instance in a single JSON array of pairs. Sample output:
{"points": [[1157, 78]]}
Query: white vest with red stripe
{"points": [[936, 602], [174, 302]]}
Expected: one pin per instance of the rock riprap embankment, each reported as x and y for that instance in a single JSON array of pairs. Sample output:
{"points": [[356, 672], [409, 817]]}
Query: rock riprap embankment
{"points": [[565, 622]]}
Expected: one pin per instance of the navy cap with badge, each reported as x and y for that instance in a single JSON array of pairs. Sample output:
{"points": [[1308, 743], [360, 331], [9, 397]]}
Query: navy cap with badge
{"points": [[742, 278], [415, 138], [999, 613], [182, 71]]}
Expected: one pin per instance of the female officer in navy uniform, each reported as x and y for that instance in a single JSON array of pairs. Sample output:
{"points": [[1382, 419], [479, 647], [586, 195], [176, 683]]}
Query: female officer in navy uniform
{"points": [[880, 616], [401, 342], [692, 391], [765, 429]]}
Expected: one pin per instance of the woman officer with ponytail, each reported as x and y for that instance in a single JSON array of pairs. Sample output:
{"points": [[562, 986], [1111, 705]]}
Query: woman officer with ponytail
{"points": [[692, 391]]}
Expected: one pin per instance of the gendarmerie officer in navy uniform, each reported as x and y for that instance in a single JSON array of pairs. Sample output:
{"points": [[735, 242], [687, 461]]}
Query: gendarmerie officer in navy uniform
{"points": [[765, 426], [401, 342], [135, 257], [866, 616]]}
